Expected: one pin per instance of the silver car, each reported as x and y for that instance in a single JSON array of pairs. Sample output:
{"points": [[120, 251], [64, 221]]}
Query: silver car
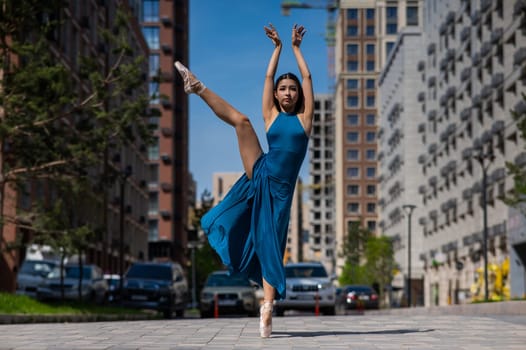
{"points": [[233, 295], [309, 287], [93, 286], [32, 274]]}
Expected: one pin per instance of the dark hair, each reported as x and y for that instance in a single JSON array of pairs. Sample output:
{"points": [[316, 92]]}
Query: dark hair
{"points": [[301, 98]]}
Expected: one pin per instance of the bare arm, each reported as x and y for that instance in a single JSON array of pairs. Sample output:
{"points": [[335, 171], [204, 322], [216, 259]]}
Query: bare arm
{"points": [[308, 109], [268, 107]]}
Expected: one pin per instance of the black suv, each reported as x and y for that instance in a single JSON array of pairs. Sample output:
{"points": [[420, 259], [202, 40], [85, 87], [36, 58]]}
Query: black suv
{"points": [[156, 286]]}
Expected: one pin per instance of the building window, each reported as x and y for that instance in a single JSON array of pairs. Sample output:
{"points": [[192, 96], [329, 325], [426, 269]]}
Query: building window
{"points": [[369, 30], [151, 35], [370, 154], [370, 65], [370, 84], [391, 12], [353, 190], [353, 207], [153, 90], [153, 149], [412, 15], [352, 101], [370, 119], [353, 172], [154, 65], [353, 136], [353, 119], [370, 49], [371, 208], [352, 49], [352, 13], [371, 226], [370, 101], [369, 13], [370, 136], [352, 84], [153, 203], [371, 190], [391, 28], [352, 66], [150, 10], [371, 172], [352, 30], [353, 154], [388, 47], [153, 230]]}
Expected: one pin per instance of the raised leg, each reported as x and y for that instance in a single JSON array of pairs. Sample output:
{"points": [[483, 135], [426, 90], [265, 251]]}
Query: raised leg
{"points": [[249, 146]]}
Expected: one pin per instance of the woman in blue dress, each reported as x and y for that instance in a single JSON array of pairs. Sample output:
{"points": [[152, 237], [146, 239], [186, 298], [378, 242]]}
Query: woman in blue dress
{"points": [[248, 228]]}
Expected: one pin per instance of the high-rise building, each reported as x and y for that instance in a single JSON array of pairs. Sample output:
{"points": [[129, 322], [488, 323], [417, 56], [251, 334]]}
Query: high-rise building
{"points": [[366, 31], [165, 27], [322, 238]]}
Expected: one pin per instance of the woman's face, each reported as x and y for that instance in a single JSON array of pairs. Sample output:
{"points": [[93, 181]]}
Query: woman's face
{"points": [[287, 94]]}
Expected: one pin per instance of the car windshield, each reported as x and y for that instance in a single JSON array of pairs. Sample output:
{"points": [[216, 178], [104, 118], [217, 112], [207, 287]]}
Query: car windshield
{"points": [[155, 272], [37, 268], [74, 272], [224, 280], [305, 271]]}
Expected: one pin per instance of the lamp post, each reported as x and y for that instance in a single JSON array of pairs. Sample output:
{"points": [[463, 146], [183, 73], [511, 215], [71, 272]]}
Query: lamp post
{"points": [[124, 175], [482, 157], [409, 210]]}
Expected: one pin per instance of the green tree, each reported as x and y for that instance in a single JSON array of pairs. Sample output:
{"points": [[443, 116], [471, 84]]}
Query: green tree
{"points": [[57, 126], [380, 262], [353, 251]]}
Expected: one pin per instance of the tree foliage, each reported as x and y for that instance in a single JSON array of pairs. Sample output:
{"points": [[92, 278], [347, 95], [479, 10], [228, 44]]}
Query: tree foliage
{"points": [[58, 123], [369, 259]]}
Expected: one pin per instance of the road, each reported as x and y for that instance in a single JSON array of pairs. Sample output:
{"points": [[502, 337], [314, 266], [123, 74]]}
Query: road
{"points": [[367, 331]]}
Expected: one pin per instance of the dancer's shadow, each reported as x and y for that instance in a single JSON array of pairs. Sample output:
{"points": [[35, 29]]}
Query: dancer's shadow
{"points": [[304, 334]]}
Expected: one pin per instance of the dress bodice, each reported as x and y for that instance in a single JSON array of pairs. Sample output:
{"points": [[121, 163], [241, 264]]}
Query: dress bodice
{"points": [[287, 142]]}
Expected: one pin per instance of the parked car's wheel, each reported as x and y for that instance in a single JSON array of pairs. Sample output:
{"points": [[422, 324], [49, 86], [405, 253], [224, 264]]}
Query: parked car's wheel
{"points": [[179, 313], [329, 311]]}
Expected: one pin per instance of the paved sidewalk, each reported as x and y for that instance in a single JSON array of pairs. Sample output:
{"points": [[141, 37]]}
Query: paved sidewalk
{"points": [[303, 332]]}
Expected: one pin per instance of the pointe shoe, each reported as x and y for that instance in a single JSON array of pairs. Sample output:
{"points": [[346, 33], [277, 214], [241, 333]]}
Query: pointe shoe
{"points": [[191, 83], [265, 329]]}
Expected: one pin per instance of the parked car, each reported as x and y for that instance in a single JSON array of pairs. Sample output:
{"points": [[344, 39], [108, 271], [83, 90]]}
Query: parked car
{"points": [[156, 286], [33, 273], [93, 286], [114, 287], [308, 286], [358, 297], [234, 295]]}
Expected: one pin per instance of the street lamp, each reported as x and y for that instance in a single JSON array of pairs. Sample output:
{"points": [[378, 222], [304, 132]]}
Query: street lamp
{"points": [[409, 210], [482, 157], [124, 175]]}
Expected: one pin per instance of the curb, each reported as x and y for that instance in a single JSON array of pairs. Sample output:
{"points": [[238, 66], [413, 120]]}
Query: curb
{"points": [[13, 319], [510, 308]]}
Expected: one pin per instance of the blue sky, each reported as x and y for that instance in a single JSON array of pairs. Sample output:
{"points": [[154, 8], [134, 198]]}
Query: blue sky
{"points": [[229, 52]]}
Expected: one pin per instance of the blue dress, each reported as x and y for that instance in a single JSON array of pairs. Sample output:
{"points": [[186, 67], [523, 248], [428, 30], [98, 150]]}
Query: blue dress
{"points": [[248, 228]]}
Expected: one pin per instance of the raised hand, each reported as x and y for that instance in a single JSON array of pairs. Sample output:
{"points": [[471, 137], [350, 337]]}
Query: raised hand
{"points": [[298, 31], [272, 33]]}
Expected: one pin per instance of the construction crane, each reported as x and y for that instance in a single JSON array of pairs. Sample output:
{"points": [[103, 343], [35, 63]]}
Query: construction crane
{"points": [[332, 7]]}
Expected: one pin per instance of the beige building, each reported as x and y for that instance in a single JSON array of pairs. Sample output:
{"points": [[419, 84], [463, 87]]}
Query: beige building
{"points": [[222, 183]]}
